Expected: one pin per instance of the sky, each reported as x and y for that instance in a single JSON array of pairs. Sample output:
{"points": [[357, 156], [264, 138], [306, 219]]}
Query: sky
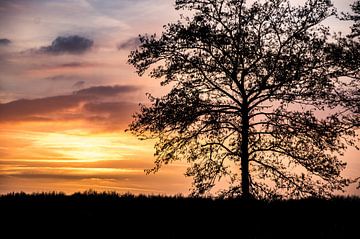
{"points": [[67, 94]]}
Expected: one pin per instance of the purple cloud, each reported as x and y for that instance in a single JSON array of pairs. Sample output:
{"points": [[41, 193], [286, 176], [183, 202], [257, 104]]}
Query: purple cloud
{"points": [[68, 45]]}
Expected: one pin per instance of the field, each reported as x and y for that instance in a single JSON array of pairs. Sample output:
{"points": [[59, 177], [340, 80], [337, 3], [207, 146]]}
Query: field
{"points": [[109, 215]]}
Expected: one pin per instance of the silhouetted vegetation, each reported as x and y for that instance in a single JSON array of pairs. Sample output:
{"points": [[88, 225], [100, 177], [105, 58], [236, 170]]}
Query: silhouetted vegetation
{"points": [[263, 97], [354, 16], [128, 216]]}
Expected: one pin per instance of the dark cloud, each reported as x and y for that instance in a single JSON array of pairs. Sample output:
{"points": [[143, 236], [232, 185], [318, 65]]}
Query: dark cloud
{"points": [[114, 110], [4, 42], [108, 107], [68, 45], [79, 84], [38, 109], [87, 104], [111, 5], [130, 44], [108, 90], [62, 78], [111, 115], [73, 64], [60, 66], [78, 65]]}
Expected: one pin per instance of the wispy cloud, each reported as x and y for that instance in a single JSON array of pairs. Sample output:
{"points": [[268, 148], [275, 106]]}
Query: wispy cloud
{"points": [[129, 44], [79, 84], [36, 109], [108, 90], [90, 104], [77, 65], [110, 115], [63, 78]]}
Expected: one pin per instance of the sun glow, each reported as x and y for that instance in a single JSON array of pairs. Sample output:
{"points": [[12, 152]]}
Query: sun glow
{"points": [[70, 156], [80, 147], [54, 157], [86, 147]]}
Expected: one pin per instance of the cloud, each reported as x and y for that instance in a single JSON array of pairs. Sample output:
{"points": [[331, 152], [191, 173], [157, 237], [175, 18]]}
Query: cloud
{"points": [[130, 44], [48, 161], [72, 65], [77, 65], [108, 90], [4, 42], [68, 45], [112, 111], [67, 174], [90, 104], [62, 66], [38, 109], [79, 84], [108, 107], [62, 78]]}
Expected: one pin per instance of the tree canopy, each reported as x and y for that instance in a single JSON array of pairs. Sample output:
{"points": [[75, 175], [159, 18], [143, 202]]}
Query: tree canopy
{"points": [[264, 98], [355, 16]]}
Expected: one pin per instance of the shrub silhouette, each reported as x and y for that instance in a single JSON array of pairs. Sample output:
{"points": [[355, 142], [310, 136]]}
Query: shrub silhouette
{"points": [[128, 216]]}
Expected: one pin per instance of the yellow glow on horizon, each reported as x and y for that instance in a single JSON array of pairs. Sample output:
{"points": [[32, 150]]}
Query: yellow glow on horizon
{"points": [[74, 146], [84, 148], [75, 170], [56, 156]]}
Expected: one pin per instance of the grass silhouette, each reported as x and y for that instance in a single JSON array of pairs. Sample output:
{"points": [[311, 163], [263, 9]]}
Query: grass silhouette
{"points": [[127, 216]]}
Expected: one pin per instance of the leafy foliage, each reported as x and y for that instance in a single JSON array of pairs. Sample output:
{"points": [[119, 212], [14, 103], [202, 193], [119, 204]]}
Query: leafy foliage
{"points": [[355, 16], [263, 97]]}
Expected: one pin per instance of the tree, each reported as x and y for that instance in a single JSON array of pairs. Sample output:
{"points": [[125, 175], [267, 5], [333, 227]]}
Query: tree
{"points": [[354, 46], [355, 29], [261, 97]]}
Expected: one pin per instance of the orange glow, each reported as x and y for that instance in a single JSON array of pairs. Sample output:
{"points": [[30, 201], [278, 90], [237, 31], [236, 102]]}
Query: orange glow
{"points": [[73, 160], [54, 139]]}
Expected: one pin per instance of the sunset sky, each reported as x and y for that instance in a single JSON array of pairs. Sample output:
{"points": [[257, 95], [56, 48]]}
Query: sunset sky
{"points": [[67, 95]]}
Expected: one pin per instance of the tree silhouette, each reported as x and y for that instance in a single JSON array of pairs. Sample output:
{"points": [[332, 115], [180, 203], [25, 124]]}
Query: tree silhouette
{"points": [[354, 46], [261, 97], [355, 29]]}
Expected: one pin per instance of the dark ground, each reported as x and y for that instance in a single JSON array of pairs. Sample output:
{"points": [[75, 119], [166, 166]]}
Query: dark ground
{"points": [[108, 215]]}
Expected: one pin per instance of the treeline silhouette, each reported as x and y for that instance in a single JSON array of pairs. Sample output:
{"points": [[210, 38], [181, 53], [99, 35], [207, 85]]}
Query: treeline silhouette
{"points": [[128, 216]]}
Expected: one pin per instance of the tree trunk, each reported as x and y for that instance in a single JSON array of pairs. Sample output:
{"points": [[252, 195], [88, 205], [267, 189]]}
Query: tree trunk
{"points": [[245, 179]]}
